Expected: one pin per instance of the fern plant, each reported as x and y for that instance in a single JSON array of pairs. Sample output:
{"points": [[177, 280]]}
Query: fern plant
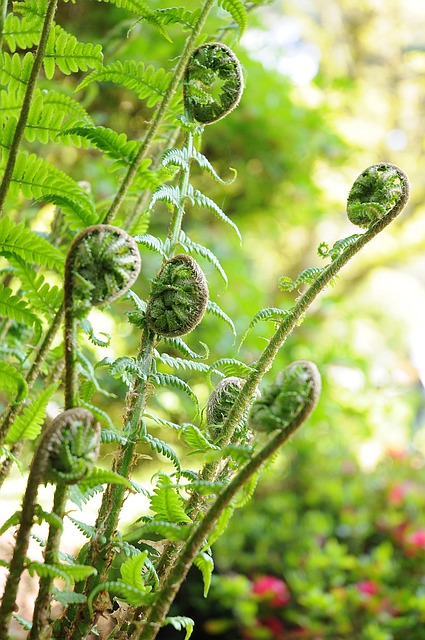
{"points": [[94, 262]]}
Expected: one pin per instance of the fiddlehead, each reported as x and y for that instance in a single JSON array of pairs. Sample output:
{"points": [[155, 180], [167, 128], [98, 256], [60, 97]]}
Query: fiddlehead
{"points": [[178, 298], [282, 401], [213, 83], [221, 401], [379, 190], [102, 263], [72, 441]]}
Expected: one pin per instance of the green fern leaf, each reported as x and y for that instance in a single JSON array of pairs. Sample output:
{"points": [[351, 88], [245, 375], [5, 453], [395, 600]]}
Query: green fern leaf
{"points": [[212, 307], [202, 200], [23, 33], [13, 521], [308, 276], [229, 367], [16, 240], [114, 145], [192, 247], [196, 440], [221, 525], [271, 313], [131, 571], [184, 349], [175, 158], [28, 424], [177, 15], [101, 476], [151, 242], [206, 165], [181, 363], [181, 622], [12, 383], [77, 572], [340, 245], [65, 598], [247, 491], [47, 571], [15, 308], [67, 105], [66, 52], [15, 71], [122, 591], [166, 193], [162, 422], [31, 8], [37, 179], [163, 448], [145, 81], [41, 295], [25, 624], [168, 530], [237, 10], [88, 530], [51, 518], [166, 503], [167, 380], [205, 564]]}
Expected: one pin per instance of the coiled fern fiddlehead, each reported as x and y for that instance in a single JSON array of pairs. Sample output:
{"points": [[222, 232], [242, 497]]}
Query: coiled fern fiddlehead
{"points": [[178, 298], [57, 459]]}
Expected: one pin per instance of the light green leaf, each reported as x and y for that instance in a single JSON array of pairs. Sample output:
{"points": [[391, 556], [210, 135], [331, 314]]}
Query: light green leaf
{"points": [[28, 424]]}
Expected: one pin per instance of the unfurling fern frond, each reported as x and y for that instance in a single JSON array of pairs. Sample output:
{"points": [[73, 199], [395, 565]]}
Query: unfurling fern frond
{"points": [[166, 503], [202, 200], [340, 245], [145, 81], [163, 448], [193, 247], [38, 179], [68, 54], [18, 241], [308, 276], [214, 309]]}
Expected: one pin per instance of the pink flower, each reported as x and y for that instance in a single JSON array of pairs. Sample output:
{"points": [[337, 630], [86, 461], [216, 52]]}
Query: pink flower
{"points": [[367, 587], [416, 539], [272, 589]]}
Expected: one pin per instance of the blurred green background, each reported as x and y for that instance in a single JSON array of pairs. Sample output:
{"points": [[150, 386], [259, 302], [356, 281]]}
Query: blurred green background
{"points": [[332, 86]]}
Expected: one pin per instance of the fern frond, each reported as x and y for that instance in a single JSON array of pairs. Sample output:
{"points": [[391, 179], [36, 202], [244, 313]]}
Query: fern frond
{"points": [[131, 571], [31, 8], [145, 81], [151, 242], [46, 123], [28, 424], [166, 193], [122, 591], [177, 15], [47, 571], [19, 241], [206, 165], [45, 298], [168, 530], [101, 476], [114, 145], [192, 247], [184, 349], [68, 54], [25, 624], [21, 32], [167, 380], [163, 448], [205, 564], [308, 276], [212, 307], [202, 200], [340, 245], [87, 327], [67, 105], [181, 363], [162, 422], [221, 525], [15, 308], [38, 179], [196, 440], [271, 313], [15, 71], [237, 10], [181, 622], [65, 598], [229, 367], [77, 572], [88, 530], [166, 503], [175, 158]]}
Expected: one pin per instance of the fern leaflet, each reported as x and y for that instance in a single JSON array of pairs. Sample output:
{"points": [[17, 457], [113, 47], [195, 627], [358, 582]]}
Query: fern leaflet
{"points": [[28, 424], [114, 145], [15, 71], [181, 363], [202, 200], [271, 313], [15, 308], [184, 349], [167, 380], [212, 307], [162, 447], [205, 564], [237, 10], [308, 276], [181, 622], [17, 240], [23, 33], [192, 247], [166, 502], [65, 51]]}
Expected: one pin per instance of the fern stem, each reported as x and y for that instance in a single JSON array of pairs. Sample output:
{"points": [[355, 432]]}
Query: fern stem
{"points": [[178, 213], [151, 132], [13, 408], [158, 612], [3, 14], [40, 629], [26, 104]]}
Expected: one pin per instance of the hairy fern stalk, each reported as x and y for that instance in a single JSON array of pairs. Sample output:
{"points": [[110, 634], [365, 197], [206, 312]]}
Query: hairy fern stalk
{"points": [[94, 254]]}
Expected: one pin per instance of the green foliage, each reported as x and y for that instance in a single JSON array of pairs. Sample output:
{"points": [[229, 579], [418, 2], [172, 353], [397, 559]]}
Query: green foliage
{"points": [[28, 424]]}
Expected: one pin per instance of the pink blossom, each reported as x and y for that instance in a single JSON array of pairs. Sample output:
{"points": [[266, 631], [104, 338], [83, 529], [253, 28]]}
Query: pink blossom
{"points": [[417, 538], [367, 587], [271, 589]]}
